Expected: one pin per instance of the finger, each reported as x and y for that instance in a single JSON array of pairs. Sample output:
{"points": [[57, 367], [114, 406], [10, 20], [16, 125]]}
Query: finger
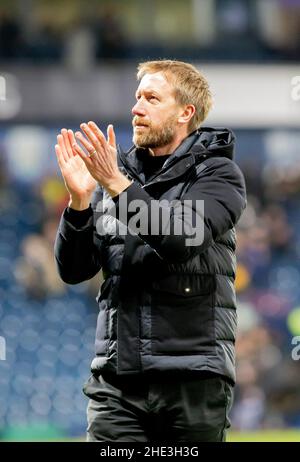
{"points": [[111, 137], [72, 140], [91, 136], [77, 148], [69, 151], [99, 134], [59, 156], [61, 144], [84, 157], [85, 143]]}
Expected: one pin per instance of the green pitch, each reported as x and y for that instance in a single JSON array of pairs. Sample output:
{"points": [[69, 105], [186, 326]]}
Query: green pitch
{"points": [[264, 436], [272, 436]]}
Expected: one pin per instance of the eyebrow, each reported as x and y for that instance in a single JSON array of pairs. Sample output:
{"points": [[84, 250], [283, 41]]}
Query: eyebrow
{"points": [[138, 92]]}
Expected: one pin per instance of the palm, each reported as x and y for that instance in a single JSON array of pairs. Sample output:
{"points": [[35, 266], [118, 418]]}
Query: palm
{"points": [[77, 178]]}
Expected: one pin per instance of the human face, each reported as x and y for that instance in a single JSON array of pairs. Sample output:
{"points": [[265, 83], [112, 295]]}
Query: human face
{"points": [[156, 112]]}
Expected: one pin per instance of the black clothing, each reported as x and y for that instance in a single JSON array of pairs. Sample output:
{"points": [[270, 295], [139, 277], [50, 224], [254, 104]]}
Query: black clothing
{"points": [[151, 164], [158, 410], [166, 305]]}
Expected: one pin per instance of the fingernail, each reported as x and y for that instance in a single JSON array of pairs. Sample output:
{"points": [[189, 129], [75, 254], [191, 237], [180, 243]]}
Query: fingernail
{"points": [[78, 134], [83, 125]]}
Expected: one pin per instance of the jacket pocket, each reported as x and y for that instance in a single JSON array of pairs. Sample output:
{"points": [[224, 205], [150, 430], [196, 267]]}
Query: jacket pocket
{"points": [[182, 315]]}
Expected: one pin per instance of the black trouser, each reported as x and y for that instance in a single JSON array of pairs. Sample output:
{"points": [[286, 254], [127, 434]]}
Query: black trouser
{"points": [[189, 409]]}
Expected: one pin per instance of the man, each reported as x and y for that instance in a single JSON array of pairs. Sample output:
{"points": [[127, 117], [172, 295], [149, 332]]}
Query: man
{"points": [[164, 365]]}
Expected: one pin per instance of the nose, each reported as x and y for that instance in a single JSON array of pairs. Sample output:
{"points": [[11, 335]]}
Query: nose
{"points": [[138, 109]]}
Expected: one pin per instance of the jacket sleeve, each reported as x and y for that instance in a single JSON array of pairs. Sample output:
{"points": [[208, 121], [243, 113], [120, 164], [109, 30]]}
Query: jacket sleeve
{"points": [[210, 206], [77, 248]]}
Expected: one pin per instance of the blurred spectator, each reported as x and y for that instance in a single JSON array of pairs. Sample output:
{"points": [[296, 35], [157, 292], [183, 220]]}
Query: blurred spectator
{"points": [[47, 43], [279, 26], [235, 17], [239, 30], [109, 35], [35, 270], [80, 47], [290, 25], [11, 40], [250, 409], [280, 232]]}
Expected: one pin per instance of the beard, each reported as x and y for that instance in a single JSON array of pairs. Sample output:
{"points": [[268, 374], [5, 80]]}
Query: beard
{"points": [[155, 137]]}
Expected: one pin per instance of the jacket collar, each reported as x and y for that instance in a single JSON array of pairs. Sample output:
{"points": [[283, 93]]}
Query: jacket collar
{"points": [[203, 143]]}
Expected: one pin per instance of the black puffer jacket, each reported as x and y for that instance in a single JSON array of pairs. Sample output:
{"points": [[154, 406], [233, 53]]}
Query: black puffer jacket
{"points": [[164, 305]]}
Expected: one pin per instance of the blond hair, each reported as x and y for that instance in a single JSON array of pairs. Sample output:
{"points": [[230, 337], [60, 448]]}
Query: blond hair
{"points": [[190, 86]]}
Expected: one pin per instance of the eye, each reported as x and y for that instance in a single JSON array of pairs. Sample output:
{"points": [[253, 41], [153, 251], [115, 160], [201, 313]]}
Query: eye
{"points": [[153, 98]]}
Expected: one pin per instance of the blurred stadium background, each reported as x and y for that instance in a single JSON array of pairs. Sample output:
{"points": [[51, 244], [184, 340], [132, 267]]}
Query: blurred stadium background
{"points": [[63, 62]]}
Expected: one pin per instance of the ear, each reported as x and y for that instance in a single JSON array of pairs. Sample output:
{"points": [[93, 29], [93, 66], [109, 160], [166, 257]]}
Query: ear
{"points": [[186, 114]]}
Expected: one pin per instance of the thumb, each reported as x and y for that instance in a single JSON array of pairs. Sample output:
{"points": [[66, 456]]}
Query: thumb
{"points": [[111, 137]]}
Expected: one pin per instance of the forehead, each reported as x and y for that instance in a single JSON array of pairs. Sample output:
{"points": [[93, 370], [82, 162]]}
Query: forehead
{"points": [[155, 82]]}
